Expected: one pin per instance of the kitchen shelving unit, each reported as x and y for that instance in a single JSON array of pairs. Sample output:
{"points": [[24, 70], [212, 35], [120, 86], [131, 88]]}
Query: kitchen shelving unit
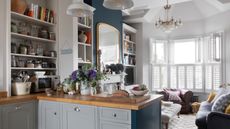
{"points": [[35, 41], [85, 50], [129, 53]]}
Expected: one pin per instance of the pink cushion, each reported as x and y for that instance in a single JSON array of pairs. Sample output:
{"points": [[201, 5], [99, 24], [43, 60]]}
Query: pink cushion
{"points": [[174, 95]]}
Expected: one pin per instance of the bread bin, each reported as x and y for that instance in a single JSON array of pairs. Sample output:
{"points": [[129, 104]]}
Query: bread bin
{"points": [[21, 88]]}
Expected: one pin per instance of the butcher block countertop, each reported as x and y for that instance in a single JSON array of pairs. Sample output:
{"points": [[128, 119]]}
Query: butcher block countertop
{"points": [[85, 100]]}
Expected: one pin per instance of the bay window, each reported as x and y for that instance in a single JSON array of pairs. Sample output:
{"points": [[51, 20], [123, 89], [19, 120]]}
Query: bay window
{"points": [[193, 64]]}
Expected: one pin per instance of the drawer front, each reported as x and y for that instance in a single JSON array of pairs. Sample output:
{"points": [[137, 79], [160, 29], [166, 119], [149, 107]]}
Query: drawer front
{"points": [[111, 125], [81, 110], [115, 115]]}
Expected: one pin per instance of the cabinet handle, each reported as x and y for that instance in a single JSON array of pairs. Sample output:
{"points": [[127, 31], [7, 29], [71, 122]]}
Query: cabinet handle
{"points": [[18, 108], [55, 113], [114, 115], [77, 109]]}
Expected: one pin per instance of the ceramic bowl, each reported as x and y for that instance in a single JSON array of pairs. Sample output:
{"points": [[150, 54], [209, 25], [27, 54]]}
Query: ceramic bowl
{"points": [[139, 93]]}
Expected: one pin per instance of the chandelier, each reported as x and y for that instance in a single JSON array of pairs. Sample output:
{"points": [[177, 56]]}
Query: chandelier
{"points": [[168, 24]]}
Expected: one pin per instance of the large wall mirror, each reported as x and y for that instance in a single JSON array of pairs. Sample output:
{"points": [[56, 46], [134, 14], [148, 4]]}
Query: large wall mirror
{"points": [[108, 45]]}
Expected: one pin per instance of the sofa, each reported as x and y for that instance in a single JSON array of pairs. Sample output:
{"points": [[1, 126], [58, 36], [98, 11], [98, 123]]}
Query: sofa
{"points": [[205, 119], [185, 98], [214, 113]]}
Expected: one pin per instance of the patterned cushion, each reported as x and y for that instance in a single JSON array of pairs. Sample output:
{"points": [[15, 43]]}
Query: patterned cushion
{"points": [[220, 92], [221, 103], [174, 96]]}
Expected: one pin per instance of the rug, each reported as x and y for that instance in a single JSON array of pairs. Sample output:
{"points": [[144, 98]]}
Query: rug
{"points": [[184, 122]]}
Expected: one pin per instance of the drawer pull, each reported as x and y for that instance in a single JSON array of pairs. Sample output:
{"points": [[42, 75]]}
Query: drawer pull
{"points": [[114, 115], [55, 113], [18, 108], [77, 109]]}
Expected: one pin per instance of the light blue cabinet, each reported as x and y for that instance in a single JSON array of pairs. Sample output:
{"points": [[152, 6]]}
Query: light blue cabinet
{"points": [[113, 125], [78, 116], [49, 115], [19, 116], [111, 118]]}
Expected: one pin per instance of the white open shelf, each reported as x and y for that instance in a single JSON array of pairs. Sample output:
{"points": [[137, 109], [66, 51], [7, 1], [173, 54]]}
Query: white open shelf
{"points": [[127, 53], [25, 68], [22, 36], [32, 20], [33, 56], [84, 44], [126, 40]]}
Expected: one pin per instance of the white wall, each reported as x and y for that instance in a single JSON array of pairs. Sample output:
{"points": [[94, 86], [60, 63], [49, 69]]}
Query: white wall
{"points": [[65, 39], [1, 43]]}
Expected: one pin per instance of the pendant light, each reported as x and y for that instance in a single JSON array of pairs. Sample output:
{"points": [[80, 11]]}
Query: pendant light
{"points": [[80, 9], [118, 4]]}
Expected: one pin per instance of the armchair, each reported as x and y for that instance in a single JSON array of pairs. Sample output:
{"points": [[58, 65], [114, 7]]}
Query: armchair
{"points": [[186, 98]]}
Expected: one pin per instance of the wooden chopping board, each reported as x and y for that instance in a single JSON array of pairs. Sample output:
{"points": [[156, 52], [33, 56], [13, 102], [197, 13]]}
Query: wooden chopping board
{"points": [[130, 99]]}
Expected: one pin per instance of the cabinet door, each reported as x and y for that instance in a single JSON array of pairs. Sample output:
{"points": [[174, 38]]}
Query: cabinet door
{"points": [[49, 115], [78, 116], [112, 125], [19, 116]]}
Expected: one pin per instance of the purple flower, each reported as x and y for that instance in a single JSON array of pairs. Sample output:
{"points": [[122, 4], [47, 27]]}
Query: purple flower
{"points": [[92, 74], [74, 75]]}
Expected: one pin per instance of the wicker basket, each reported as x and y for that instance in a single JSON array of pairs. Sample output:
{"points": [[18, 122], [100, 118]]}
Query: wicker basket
{"points": [[18, 6]]}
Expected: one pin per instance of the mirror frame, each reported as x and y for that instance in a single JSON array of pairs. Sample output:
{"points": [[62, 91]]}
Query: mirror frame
{"points": [[97, 44]]}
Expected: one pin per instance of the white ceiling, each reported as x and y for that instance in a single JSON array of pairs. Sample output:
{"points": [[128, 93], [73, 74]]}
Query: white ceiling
{"points": [[187, 10]]}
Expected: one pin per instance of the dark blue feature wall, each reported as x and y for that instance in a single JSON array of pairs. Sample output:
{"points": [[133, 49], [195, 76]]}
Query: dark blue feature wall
{"points": [[111, 17]]}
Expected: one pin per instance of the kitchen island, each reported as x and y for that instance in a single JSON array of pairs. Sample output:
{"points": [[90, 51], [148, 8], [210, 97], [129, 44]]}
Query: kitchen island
{"points": [[81, 112]]}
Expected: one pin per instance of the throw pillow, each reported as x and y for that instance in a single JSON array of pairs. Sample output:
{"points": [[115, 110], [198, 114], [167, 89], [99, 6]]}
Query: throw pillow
{"points": [[220, 92], [174, 96], [227, 110], [221, 103], [211, 97]]}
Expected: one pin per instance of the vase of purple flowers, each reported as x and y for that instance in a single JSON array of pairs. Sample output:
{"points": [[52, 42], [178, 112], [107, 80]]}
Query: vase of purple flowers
{"points": [[88, 78]]}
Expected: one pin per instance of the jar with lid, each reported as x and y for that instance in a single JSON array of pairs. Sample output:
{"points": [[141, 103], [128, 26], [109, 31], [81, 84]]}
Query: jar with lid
{"points": [[37, 64], [14, 27], [30, 64], [44, 34], [13, 48], [31, 50], [39, 50], [22, 29], [23, 49], [13, 61], [34, 31]]}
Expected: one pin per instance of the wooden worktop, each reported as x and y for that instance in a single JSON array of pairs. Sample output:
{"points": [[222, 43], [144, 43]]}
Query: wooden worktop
{"points": [[84, 100]]}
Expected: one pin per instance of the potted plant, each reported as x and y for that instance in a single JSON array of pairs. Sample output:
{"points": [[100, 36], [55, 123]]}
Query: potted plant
{"points": [[88, 78]]}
